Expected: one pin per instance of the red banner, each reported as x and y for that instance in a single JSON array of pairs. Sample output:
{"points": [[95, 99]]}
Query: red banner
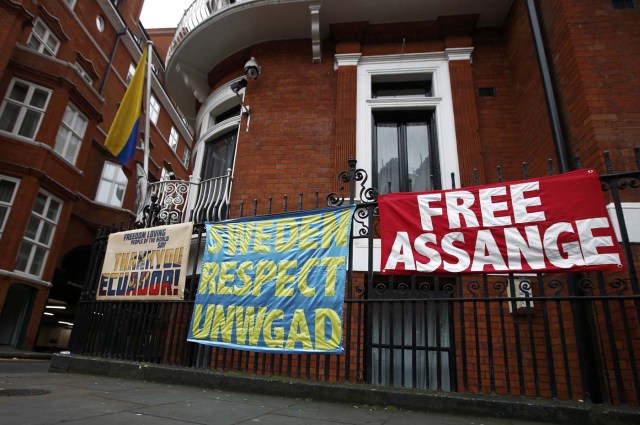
{"points": [[556, 223]]}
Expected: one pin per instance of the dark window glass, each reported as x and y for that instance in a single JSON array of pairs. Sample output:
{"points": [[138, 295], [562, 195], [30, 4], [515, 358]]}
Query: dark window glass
{"points": [[395, 89], [218, 156], [405, 155], [233, 112], [623, 4]]}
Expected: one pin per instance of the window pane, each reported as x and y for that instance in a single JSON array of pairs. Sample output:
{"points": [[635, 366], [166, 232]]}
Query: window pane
{"points": [[80, 125], [23, 256], [403, 85], [387, 157], [121, 177], [119, 195], [61, 139], [19, 92], [418, 164], [52, 213], [103, 192], [9, 117], [39, 29], [32, 228], [173, 138], [154, 107], [69, 113], [37, 261], [52, 44], [3, 215], [72, 149], [45, 234], [109, 170], [219, 156], [130, 72], [185, 157], [29, 124], [39, 98], [41, 201], [6, 190], [34, 43]]}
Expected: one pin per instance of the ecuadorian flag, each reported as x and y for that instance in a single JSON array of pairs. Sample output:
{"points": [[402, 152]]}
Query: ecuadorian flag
{"points": [[121, 140]]}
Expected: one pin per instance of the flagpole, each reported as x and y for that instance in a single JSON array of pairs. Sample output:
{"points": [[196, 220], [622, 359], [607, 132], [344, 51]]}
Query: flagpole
{"points": [[147, 111]]}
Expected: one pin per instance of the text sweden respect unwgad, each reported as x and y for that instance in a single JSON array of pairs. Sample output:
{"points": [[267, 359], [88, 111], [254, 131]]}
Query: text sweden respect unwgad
{"points": [[276, 284]]}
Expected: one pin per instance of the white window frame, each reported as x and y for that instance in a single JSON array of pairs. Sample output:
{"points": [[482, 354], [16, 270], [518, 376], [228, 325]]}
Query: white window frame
{"points": [[113, 182], [74, 134], [173, 138], [84, 74], [8, 204], [436, 64], [186, 157], [218, 101], [70, 3], [154, 109], [25, 106], [130, 72], [43, 39], [35, 243]]}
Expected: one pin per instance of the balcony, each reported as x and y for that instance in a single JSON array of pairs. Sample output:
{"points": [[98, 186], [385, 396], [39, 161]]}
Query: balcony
{"points": [[180, 201], [211, 30]]}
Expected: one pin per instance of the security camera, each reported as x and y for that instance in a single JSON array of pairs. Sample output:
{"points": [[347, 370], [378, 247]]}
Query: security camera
{"points": [[252, 69]]}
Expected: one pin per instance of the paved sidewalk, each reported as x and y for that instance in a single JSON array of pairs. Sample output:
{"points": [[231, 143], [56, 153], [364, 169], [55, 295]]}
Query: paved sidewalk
{"points": [[9, 352], [87, 399]]}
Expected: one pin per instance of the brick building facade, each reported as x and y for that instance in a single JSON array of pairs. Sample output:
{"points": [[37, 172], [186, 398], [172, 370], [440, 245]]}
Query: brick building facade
{"points": [[424, 95], [463, 89], [64, 68], [306, 111]]}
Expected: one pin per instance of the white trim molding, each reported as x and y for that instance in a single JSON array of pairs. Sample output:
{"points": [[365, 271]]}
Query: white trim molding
{"points": [[459, 53], [346, 59], [434, 64], [16, 277]]}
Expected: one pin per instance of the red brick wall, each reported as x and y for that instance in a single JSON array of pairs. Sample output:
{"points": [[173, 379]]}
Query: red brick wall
{"points": [[162, 38], [498, 125], [289, 148], [35, 164], [594, 51], [529, 107]]}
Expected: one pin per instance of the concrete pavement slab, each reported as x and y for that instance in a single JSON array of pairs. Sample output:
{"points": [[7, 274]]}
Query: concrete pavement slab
{"points": [[125, 418], [208, 411], [335, 413], [90, 399], [54, 408], [151, 395]]}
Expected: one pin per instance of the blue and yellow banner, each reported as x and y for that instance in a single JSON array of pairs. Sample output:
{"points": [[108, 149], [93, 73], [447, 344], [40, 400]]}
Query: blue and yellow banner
{"points": [[274, 284]]}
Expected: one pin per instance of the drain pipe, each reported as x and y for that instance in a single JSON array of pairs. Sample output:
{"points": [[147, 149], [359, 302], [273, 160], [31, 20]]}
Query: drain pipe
{"points": [[587, 355], [550, 97], [103, 83]]}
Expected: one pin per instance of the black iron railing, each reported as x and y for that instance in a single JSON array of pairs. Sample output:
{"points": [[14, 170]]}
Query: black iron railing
{"points": [[562, 336]]}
